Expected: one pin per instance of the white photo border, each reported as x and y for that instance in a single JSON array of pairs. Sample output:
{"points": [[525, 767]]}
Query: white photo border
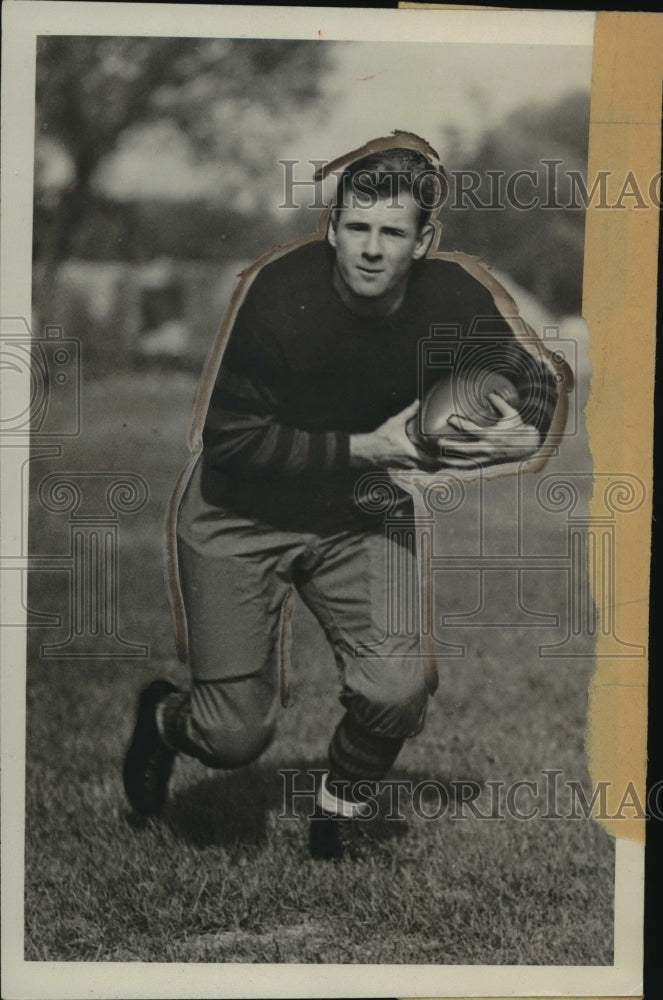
{"points": [[23, 22]]}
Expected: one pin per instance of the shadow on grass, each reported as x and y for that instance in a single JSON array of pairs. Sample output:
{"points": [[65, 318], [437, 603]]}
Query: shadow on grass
{"points": [[232, 808], [223, 809]]}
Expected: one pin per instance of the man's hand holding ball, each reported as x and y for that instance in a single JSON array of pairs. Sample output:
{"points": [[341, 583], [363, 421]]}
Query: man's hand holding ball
{"points": [[461, 424]]}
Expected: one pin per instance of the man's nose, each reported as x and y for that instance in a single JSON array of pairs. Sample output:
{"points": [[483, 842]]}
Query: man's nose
{"points": [[372, 245]]}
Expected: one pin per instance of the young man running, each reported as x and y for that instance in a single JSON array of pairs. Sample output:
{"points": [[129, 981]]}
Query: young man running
{"points": [[310, 407]]}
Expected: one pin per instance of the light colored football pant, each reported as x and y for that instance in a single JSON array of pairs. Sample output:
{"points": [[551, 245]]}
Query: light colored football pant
{"points": [[237, 575]]}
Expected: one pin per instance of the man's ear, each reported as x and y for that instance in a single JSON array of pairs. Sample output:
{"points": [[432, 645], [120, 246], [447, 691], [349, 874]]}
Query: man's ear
{"points": [[331, 228], [424, 240]]}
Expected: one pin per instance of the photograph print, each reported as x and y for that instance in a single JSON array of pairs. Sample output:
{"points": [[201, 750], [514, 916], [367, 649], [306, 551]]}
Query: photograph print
{"points": [[311, 608]]}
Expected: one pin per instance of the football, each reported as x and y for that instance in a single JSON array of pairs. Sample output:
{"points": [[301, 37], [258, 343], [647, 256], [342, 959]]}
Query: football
{"points": [[464, 395]]}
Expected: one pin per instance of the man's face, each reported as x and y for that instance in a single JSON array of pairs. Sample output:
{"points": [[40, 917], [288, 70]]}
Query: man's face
{"points": [[376, 245]]}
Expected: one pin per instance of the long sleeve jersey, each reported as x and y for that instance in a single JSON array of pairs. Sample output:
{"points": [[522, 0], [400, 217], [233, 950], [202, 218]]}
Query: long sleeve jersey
{"points": [[301, 373]]}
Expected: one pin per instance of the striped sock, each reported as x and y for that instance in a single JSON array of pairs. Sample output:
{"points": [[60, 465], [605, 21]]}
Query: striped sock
{"points": [[172, 715], [356, 754], [168, 715]]}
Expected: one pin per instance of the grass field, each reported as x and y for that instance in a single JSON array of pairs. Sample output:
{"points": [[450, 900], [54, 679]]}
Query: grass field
{"points": [[220, 877]]}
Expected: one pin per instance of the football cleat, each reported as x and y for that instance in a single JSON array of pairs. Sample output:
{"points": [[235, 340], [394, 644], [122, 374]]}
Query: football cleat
{"points": [[324, 837], [148, 762], [325, 842]]}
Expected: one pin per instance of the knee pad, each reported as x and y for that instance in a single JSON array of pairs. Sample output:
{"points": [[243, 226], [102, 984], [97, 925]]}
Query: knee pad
{"points": [[395, 708], [229, 749]]}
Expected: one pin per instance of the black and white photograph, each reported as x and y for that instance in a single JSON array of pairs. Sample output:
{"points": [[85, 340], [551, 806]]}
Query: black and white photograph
{"points": [[303, 557]]}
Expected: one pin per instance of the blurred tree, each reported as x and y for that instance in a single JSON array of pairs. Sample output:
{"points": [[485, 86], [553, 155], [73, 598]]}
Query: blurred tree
{"points": [[92, 92], [540, 246]]}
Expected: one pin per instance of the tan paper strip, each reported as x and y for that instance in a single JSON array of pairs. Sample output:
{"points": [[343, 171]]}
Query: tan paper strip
{"points": [[619, 304]]}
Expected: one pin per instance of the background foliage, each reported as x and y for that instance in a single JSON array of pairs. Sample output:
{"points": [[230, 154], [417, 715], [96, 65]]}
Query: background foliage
{"points": [[217, 114]]}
